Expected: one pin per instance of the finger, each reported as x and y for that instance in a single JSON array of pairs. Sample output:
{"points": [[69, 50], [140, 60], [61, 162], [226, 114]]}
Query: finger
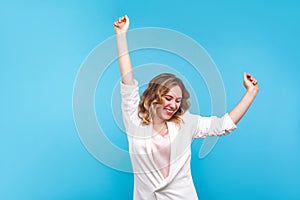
{"points": [[119, 20], [251, 78], [116, 24], [248, 77], [245, 76], [127, 19]]}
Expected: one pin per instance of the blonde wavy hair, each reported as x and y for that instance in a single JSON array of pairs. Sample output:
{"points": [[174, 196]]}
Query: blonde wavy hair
{"points": [[152, 98]]}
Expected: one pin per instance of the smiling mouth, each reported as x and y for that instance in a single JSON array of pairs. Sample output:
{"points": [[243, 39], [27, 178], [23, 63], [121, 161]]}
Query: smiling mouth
{"points": [[169, 111]]}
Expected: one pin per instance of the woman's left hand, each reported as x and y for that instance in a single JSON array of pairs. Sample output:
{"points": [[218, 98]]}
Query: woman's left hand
{"points": [[250, 83]]}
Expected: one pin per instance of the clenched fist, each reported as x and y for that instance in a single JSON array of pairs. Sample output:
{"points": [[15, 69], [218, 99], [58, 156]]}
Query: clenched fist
{"points": [[121, 25]]}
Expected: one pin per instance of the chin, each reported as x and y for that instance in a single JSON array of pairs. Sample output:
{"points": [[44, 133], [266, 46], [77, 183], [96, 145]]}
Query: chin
{"points": [[167, 117]]}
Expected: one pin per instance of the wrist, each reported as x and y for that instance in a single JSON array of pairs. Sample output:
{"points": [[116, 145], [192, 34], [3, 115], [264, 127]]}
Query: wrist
{"points": [[252, 90], [121, 34]]}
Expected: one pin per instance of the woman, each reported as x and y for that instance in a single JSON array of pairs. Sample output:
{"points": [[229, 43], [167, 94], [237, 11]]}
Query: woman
{"points": [[160, 129]]}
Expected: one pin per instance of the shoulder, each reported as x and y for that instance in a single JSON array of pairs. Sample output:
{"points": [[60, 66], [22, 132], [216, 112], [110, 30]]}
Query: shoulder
{"points": [[189, 119], [188, 116], [125, 88]]}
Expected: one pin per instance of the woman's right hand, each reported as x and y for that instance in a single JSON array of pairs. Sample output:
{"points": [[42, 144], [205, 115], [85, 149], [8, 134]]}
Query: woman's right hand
{"points": [[121, 25]]}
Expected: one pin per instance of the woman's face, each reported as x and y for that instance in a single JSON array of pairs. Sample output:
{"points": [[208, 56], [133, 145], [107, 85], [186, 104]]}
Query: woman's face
{"points": [[171, 103]]}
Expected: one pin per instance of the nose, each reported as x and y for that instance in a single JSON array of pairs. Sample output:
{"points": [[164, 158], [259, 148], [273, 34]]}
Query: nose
{"points": [[173, 104]]}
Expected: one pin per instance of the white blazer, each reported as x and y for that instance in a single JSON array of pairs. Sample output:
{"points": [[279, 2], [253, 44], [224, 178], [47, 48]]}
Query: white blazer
{"points": [[149, 183]]}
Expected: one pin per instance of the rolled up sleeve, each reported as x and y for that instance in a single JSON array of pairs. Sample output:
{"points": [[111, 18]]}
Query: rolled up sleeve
{"points": [[214, 126], [130, 102]]}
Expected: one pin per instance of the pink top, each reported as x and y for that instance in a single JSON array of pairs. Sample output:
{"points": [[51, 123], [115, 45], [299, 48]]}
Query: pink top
{"points": [[160, 146]]}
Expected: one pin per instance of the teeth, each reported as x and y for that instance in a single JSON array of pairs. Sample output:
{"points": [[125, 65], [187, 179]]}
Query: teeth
{"points": [[170, 111]]}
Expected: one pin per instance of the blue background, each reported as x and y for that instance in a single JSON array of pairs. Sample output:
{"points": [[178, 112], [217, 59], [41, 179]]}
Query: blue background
{"points": [[43, 44]]}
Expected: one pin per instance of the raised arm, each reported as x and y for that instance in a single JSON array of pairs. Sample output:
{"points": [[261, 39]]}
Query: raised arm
{"points": [[121, 26], [241, 108]]}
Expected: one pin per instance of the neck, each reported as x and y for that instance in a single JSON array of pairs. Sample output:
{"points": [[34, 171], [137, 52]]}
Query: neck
{"points": [[158, 122], [160, 127]]}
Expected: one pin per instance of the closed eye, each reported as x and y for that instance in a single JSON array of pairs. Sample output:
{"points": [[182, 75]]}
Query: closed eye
{"points": [[169, 98]]}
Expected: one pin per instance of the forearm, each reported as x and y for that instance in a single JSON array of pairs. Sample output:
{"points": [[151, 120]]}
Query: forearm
{"points": [[124, 60], [241, 108]]}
